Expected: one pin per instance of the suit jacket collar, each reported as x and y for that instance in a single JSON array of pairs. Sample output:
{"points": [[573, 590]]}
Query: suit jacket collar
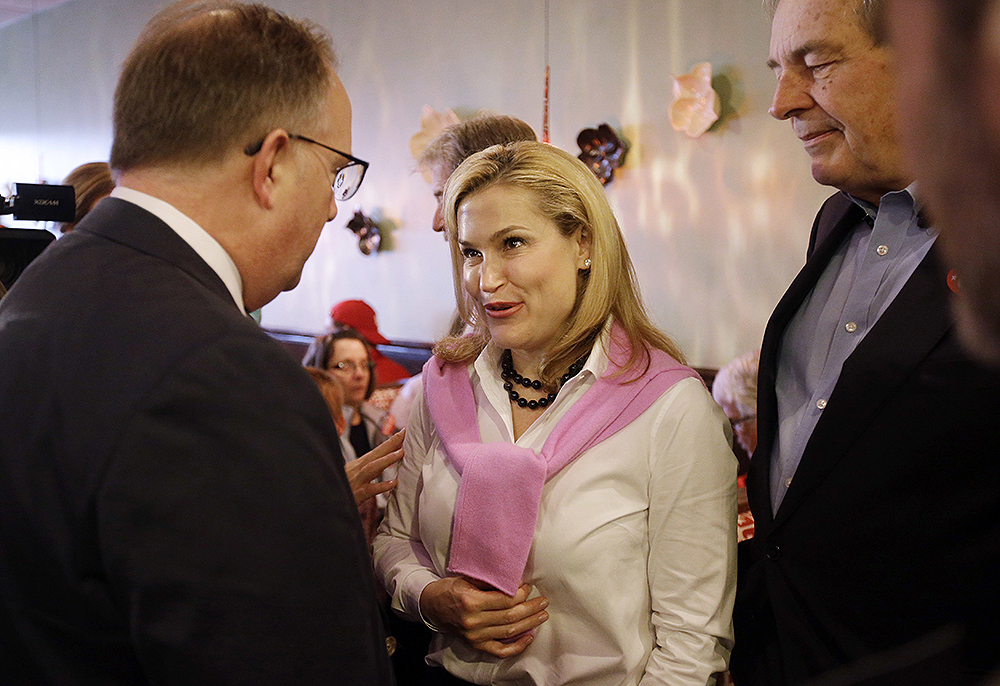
{"points": [[128, 224]]}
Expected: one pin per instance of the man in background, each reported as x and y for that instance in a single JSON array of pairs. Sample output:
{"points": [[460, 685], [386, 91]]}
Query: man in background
{"points": [[175, 508], [735, 389], [449, 149], [873, 483]]}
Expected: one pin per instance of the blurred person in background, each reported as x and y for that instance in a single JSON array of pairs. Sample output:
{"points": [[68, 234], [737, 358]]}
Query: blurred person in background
{"points": [[359, 315], [735, 389], [949, 104], [344, 352], [91, 182], [443, 154], [364, 472]]}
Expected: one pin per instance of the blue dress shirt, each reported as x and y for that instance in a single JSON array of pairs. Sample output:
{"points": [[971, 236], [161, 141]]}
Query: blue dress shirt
{"points": [[861, 280]]}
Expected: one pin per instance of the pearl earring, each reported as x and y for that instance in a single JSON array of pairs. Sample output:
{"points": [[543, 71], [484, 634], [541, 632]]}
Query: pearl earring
{"points": [[586, 263]]}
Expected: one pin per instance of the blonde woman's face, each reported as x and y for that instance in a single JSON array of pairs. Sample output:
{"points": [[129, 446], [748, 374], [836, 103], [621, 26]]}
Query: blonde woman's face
{"points": [[519, 267]]}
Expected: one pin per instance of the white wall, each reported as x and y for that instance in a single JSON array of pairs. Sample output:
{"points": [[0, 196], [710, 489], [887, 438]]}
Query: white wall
{"points": [[717, 226]]}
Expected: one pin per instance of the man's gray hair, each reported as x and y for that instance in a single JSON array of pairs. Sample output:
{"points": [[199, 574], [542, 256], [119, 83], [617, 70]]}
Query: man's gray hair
{"points": [[869, 13], [736, 383]]}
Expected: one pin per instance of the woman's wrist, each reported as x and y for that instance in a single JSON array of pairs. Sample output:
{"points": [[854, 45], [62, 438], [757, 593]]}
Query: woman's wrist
{"points": [[420, 609]]}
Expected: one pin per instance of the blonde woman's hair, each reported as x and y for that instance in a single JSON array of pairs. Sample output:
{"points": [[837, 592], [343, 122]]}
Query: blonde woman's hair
{"points": [[571, 196]]}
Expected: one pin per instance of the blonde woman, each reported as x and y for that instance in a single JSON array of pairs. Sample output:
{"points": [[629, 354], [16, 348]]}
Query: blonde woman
{"points": [[566, 506]]}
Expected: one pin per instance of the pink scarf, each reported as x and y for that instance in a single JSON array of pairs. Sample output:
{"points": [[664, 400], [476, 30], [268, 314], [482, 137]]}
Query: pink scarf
{"points": [[501, 487]]}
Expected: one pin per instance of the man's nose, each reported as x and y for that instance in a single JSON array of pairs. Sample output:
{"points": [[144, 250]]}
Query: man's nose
{"points": [[438, 223], [791, 96]]}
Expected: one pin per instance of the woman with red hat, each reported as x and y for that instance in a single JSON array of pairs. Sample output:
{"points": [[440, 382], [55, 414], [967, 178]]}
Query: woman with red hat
{"points": [[359, 315]]}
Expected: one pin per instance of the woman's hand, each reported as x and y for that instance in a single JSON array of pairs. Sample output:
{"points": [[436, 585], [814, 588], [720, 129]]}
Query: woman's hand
{"points": [[482, 616], [362, 471]]}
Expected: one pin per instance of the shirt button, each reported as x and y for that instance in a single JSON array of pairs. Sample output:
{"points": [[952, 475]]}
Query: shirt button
{"points": [[821, 403], [882, 250], [851, 327], [788, 482]]}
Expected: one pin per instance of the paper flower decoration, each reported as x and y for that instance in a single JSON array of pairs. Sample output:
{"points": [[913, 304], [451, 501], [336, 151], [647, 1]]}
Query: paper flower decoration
{"points": [[696, 106], [602, 150], [432, 123], [369, 237]]}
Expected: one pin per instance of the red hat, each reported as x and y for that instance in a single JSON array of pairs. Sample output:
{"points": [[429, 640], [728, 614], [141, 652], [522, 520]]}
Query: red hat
{"points": [[358, 315]]}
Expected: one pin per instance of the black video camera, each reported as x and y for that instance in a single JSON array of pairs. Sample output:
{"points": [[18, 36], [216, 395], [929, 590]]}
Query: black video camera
{"points": [[31, 202]]}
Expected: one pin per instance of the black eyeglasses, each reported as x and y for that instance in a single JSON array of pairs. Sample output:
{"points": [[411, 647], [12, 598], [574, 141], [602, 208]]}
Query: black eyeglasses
{"points": [[349, 177]]}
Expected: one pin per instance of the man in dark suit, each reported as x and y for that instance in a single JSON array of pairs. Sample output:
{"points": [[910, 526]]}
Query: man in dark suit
{"points": [[873, 486], [173, 503]]}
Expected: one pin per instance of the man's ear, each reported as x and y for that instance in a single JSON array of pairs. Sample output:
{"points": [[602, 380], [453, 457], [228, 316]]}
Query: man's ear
{"points": [[267, 169]]}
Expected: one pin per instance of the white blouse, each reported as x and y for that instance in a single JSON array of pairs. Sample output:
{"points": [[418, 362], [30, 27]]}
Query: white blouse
{"points": [[634, 547]]}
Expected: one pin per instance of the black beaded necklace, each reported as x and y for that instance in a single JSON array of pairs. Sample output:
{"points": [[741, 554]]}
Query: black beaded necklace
{"points": [[511, 377]]}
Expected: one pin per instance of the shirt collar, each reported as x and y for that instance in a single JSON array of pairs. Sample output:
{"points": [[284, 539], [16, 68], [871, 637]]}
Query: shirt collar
{"points": [[872, 210], [200, 240]]}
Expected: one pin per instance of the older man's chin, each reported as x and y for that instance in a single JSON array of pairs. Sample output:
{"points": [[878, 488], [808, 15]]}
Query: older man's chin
{"points": [[979, 328]]}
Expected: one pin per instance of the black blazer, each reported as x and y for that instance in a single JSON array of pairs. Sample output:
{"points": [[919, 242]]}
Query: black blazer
{"points": [[173, 504], [891, 527]]}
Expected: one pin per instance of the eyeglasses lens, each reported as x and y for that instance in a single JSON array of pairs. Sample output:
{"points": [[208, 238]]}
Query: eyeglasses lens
{"points": [[348, 180]]}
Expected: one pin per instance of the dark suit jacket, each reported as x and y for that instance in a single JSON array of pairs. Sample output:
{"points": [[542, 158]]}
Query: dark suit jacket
{"points": [[891, 527], [173, 504]]}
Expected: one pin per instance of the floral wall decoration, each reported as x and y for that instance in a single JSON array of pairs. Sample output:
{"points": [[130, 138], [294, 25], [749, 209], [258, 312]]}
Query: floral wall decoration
{"points": [[603, 151], [432, 124], [367, 231], [696, 105]]}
